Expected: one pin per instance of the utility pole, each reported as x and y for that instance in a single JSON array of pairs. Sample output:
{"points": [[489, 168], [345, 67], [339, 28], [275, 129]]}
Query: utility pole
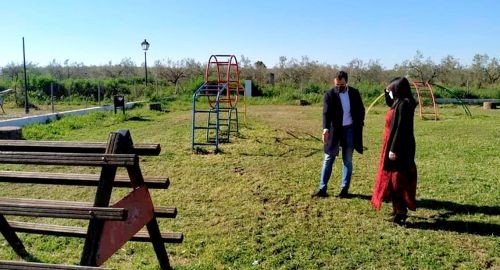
{"points": [[26, 103]]}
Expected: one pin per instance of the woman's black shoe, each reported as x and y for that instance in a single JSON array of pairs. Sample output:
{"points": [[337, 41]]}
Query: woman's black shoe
{"points": [[399, 219]]}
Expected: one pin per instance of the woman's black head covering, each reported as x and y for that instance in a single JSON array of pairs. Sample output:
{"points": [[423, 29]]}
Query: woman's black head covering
{"points": [[401, 89]]}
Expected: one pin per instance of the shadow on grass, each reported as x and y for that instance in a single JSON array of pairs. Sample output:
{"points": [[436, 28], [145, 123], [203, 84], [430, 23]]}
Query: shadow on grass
{"points": [[138, 118], [32, 258], [452, 207], [470, 227], [439, 222]]}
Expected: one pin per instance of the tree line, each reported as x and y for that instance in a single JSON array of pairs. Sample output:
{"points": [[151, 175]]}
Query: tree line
{"points": [[292, 77]]}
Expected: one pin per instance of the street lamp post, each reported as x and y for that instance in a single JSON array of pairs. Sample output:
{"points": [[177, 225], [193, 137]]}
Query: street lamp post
{"points": [[26, 102], [145, 47]]}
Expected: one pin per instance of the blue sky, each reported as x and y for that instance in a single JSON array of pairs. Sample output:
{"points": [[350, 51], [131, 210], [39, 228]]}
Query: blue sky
{"points": [[333, 32]]}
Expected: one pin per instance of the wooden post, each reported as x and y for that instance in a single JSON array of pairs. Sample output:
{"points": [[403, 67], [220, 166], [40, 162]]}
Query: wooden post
{"points": [[12, 238], [136, 180], [102, 198]]}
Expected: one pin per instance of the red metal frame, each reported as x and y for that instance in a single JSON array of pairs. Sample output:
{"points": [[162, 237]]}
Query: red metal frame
{"points": [[420, 88], [227, 66]]}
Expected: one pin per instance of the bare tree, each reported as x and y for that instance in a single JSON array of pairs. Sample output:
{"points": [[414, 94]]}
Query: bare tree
{"points": [[260, 71], [478, 69], [55, 70], [374, 72], [126, 68], [493, 71], [422, 69], [355, 69], [171, 71], [245, 62], [13, 71], [246, 69], [451, 71]]}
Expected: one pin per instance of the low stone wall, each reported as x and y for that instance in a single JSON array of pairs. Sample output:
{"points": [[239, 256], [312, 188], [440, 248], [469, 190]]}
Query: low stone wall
{"points": [[44, 118], [477, 101]]}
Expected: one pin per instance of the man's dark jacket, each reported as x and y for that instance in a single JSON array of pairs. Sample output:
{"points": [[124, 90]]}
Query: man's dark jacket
{"points": [[333, 115]]}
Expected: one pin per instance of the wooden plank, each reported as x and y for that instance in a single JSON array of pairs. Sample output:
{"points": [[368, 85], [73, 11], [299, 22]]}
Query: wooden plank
{"points": [[74, 159], [79, 232], [72, 147], [17, 265], [159, 212], [59, 209], [165, 212], [76, 179]]}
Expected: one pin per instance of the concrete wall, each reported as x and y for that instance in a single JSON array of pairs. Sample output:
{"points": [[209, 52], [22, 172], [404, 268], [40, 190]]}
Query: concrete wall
{"points": [[44, 118]]}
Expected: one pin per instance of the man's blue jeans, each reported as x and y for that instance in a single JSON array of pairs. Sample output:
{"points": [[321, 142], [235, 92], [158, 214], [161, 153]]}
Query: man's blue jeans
{"points": [[347, 143]]}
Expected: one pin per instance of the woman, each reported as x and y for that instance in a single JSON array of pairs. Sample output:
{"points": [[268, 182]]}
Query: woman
{"points": [[397, 173]]}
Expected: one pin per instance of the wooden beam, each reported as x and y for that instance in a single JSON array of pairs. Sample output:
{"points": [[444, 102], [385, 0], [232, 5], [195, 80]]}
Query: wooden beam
{"points": [[72, 147], [80, 232], [17, 265], [59, 209], [76, 179], [165, 212], [74, 159]]}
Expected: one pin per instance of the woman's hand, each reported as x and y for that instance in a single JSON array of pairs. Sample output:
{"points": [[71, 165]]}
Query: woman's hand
{"points": [[392, 155]]}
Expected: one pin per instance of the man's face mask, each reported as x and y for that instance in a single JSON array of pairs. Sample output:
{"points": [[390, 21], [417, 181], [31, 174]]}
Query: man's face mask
{"points": [[391, 95], [340, 85]]}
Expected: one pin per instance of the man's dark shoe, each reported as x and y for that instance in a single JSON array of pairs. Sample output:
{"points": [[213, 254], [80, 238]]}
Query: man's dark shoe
{"points": [[343, 194], [319, 193]]}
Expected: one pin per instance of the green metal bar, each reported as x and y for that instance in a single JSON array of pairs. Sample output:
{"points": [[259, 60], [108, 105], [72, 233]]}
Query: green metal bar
{"points": [[454, 95]]}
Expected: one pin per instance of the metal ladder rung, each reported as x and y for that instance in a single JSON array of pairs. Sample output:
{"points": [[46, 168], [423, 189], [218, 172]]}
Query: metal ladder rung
{"points": [[204, 143], [221, 140], [205, 128], [205, 111], [206, 95]]}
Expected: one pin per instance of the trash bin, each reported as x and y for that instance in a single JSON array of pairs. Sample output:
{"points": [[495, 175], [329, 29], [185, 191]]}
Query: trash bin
{"points": [[119, 102]]}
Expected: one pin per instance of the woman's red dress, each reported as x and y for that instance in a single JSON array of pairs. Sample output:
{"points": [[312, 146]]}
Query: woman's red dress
{"points": [[396, 185]]}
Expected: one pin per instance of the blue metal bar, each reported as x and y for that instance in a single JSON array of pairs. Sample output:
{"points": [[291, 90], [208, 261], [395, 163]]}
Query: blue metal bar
{"points": [[193, 118], [208, 124], [208, 90]]}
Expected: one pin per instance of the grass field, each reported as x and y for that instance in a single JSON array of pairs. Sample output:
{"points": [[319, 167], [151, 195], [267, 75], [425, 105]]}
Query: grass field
{"points": [[250, 206]]}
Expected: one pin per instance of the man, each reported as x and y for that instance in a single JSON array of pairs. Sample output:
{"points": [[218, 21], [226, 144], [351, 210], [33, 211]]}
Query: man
{"points": [[343, 120]]}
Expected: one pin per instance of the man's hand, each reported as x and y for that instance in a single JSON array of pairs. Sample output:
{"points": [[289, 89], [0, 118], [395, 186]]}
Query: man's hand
{"points": [[392, 155], [325, 137]]}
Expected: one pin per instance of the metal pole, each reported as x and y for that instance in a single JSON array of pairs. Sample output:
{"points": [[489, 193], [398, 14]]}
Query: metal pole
{"points": [[26, 104], [52, 96], [146, 68], [99, 93]]}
